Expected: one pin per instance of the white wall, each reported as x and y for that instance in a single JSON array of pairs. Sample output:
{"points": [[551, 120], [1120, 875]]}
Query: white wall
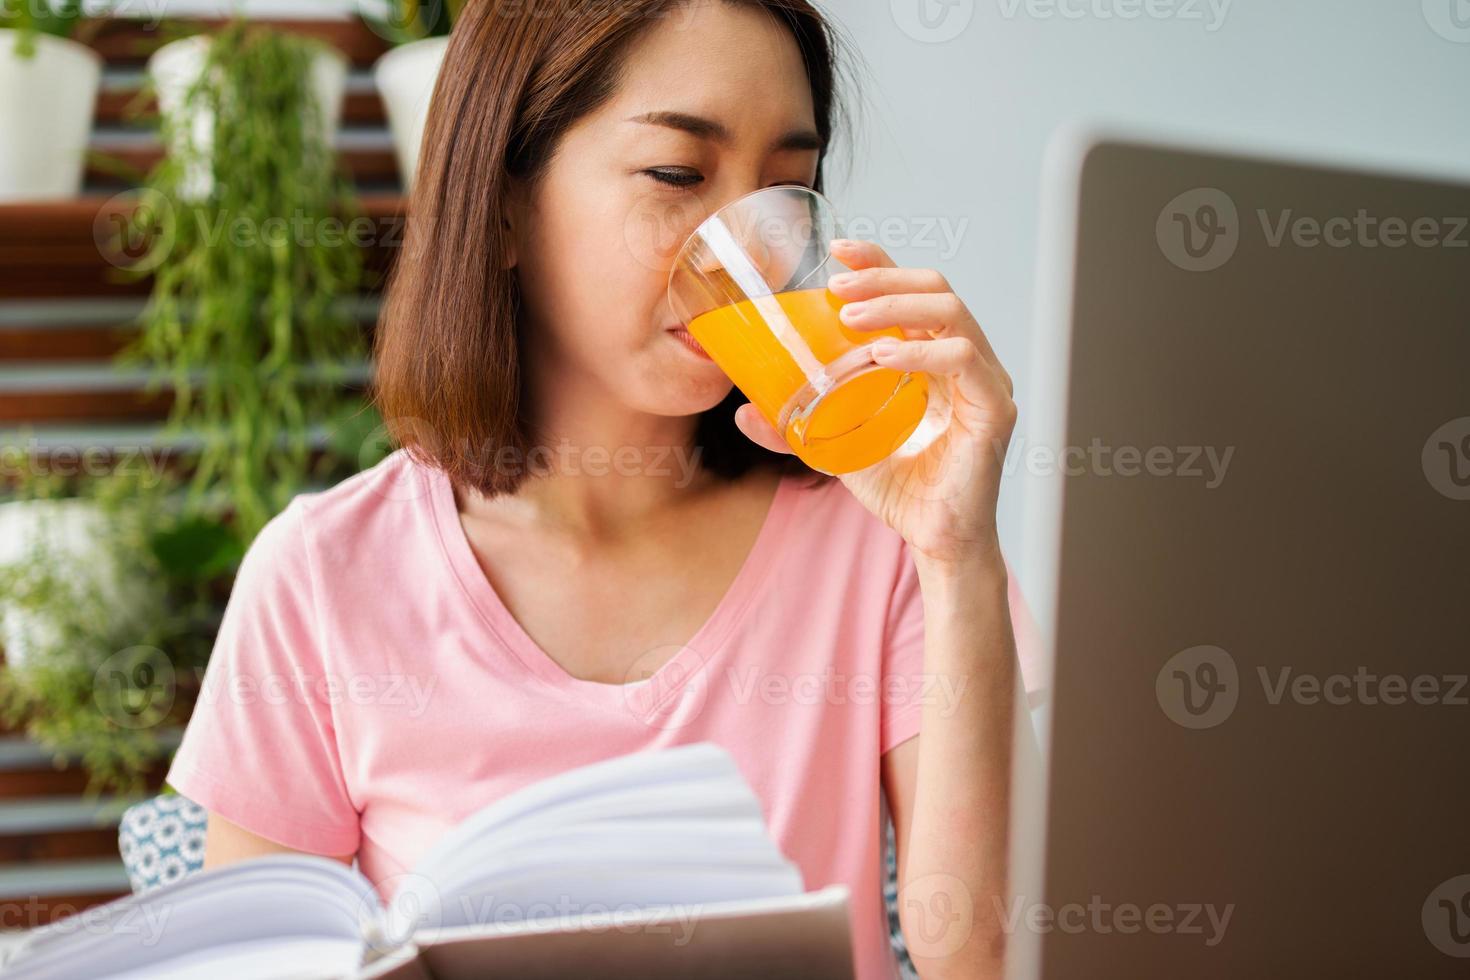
{"points": [[957, 126]]}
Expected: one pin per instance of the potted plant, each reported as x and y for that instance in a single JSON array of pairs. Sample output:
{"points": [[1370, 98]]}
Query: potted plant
{"points": [[111, 589], [50, 82], [406, 74], [188, 76], [107, 615], [255, 274]]}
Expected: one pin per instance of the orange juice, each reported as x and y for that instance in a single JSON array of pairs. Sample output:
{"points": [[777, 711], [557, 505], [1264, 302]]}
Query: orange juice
{"points": [[772, 347]]}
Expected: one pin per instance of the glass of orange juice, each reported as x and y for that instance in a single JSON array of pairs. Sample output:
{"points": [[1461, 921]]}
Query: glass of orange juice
{"points": [[750, 284]]}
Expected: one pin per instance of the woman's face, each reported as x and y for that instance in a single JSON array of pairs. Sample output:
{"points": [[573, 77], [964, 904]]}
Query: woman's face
{"points": [[622, 193]]}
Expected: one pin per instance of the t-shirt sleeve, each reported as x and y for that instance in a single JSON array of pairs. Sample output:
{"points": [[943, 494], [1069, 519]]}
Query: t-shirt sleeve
{"points": [[260, 748], [904, 688]]}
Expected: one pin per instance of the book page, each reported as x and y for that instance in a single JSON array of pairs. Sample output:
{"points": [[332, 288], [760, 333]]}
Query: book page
{"points": [[657, 827], [276, 902], [648, 770]]}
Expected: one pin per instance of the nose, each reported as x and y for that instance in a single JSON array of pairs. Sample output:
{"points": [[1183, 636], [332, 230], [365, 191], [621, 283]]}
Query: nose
{"points": [[738, 245], [735, 253]]}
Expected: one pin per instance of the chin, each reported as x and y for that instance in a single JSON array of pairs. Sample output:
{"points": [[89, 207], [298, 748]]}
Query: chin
{"points": [[690, 404], [676, 392]]}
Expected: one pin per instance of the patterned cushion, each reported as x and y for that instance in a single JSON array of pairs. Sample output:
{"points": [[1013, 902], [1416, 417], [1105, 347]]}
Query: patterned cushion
{"points": [[161, 840], [890, 896]]}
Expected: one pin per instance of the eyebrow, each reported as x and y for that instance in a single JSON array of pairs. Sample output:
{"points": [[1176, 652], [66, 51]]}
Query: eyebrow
{"points": [[709, 129]]}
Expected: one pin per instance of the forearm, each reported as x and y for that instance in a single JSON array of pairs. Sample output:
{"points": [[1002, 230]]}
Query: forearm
{"points": [[955, 869]]}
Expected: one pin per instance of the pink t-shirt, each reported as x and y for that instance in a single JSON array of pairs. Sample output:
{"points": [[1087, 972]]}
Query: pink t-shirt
{"points": [[369, 689]]}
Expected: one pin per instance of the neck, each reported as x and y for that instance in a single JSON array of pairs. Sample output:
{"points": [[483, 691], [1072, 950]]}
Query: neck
{"points": [[603, 475]]}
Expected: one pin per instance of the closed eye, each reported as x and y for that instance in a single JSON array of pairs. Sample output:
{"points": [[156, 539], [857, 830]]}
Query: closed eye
{"points": [[675, 178], [682, 178]]}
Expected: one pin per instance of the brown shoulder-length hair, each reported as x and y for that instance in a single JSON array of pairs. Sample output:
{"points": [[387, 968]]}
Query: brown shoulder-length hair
{"points": [[448, 380]]}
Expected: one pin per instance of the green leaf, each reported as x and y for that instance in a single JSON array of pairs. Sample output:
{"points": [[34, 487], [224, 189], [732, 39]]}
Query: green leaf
{"points": [[197, 549]]}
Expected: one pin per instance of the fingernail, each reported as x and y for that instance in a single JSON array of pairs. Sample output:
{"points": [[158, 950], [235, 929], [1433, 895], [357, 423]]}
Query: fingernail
{"points": [[853, 311], [842, 243], [884, 347], [842, 279]]}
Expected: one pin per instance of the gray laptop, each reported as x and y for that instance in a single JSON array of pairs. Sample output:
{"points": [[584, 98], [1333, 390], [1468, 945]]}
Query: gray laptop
{"points": [[1256, 553]]}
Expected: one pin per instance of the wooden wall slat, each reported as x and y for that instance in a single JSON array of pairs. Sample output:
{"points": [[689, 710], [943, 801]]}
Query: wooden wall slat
{"points": [[358, 108], [64, 845], [51, 250], [61, 406], [70, 781], [63, 343], [366, 164], [122, 42], [82, 343]]}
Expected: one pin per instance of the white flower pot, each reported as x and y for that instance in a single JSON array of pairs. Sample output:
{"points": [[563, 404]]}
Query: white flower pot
{"points": [[405, 77], [175, 67], [46, 106]]}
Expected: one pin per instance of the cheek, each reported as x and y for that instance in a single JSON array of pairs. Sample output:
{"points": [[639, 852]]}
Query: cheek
{"points": [[586, 276], [655, 225]]}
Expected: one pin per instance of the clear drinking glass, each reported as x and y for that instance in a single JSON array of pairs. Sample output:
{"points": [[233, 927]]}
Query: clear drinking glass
{"points": [[751, 286]]}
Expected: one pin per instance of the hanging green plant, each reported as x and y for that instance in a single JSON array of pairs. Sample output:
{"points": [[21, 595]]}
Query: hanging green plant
{"points": [[251, 319]]}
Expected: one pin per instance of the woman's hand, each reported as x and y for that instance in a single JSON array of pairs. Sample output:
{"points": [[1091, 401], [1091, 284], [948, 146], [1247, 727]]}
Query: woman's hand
{"points": [[941, 500]]}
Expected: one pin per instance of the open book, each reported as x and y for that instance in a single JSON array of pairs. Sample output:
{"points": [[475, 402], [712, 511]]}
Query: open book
{"points": [[651, 865]]}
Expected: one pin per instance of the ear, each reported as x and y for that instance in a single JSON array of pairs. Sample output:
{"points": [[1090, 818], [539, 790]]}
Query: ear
{"points": [[513, 221]]}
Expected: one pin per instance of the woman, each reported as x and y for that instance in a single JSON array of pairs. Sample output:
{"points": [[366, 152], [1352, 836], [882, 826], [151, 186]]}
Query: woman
{"points": [[582, 500]]}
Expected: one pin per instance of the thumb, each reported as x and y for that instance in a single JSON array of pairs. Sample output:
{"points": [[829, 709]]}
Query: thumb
{"points": [[750, 421]]}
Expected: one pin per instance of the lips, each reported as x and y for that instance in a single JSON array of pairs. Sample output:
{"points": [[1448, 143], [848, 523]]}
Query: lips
{"points": [[687, 339]]}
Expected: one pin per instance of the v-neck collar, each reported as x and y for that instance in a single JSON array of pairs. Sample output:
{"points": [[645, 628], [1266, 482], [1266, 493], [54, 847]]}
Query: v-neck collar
{"points": [[674, 675]]}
